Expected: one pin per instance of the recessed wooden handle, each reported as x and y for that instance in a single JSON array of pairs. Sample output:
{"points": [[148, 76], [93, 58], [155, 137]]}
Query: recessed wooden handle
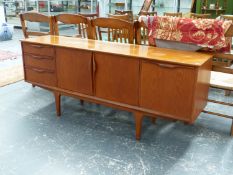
{"points": [[40, 70], [38, 46], [171, 66], [40, 57], [167, 65]]}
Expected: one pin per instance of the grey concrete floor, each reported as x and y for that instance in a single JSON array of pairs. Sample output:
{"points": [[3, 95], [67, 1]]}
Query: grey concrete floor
{"points": [[94, 139]]}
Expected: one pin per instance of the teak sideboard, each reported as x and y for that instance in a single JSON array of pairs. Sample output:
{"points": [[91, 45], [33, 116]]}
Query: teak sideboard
{"points": [[141, 79]]}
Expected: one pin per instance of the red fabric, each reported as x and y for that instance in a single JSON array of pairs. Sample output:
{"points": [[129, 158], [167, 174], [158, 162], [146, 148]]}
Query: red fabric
{"points": [[208, 33]]}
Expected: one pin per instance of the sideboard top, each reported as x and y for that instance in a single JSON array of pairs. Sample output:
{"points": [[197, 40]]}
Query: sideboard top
{"points": [[140, 51]]}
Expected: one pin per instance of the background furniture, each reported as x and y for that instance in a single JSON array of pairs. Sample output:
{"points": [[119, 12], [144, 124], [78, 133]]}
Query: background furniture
{"points": [[173, 14], [199, 16], [122, 12], [219, 8]]}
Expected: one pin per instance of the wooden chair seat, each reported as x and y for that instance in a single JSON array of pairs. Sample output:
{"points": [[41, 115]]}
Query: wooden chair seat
{"points": [[221, 80]]}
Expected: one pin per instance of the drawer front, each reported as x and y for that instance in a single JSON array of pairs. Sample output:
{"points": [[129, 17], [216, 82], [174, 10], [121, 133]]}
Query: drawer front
{"points": [[168, 89], [39, 61], [41, 76], [38, 49]]}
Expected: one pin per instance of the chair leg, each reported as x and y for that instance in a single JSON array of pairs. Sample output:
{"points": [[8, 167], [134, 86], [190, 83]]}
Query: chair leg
{"points": [[232, 128], [81, 102], [227, 93], [58, 103], [138, 123], [33, 85]]}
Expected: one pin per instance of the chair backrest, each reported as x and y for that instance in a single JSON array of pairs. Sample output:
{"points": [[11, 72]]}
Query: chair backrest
{"points": [[141, 32], [117, 30], [173, 14], [199, 16], [122, 12], [35, 17], [122, 17], [83, 24]]}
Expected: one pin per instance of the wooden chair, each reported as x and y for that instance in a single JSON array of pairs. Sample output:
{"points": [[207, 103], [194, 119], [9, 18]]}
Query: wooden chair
{"points": [[141, 32], [35, 17], [122, 12], [223, 61], [83, 24], [199, 16], [172, 14], [118, 30], [222, 79]]}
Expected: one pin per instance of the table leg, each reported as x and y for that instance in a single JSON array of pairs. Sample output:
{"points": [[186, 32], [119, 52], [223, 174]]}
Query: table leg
{"points": [[58, 103], [138, 123]]}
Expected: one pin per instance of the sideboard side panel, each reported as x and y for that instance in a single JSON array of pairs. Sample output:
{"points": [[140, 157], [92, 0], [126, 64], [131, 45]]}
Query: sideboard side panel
{"points": [[202, 89]]}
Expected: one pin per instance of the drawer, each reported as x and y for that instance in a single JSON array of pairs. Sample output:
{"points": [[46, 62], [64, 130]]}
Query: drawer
{"points": [[39, 61], [38, 49], [41, 76]]}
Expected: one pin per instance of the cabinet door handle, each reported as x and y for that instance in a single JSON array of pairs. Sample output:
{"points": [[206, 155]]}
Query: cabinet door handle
{"points": [[94, 65]]}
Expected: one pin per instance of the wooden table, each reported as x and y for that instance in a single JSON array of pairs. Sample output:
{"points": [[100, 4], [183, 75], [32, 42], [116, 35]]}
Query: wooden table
{"points": [[140, 79]]}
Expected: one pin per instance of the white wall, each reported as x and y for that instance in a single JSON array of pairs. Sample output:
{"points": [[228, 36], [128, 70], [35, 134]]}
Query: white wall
{"points": [[2, 15]]}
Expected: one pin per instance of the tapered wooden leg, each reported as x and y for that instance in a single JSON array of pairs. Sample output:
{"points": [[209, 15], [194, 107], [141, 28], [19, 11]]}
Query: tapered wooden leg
{"points": [[58, 103], [232, 129], [81, 102], [138, 123], [33, 85], [153, 120], [227, 93]]}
